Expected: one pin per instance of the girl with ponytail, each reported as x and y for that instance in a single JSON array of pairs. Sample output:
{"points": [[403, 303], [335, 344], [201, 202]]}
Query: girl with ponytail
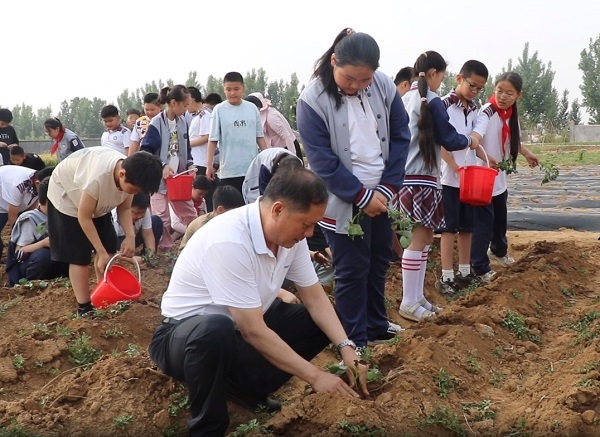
{"points": [[421, 194]]}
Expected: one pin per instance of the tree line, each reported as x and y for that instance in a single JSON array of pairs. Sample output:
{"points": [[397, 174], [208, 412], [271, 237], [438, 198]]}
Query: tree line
{"points": [[543, 109]]}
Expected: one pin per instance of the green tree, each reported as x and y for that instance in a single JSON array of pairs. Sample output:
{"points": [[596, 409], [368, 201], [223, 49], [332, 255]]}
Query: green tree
{"points": [[256, 81], [575, 113], [562, 115], [23, 121], [82, 116], [448, 83], [192, 80], [65, 115], [589, 64], [540, 100], [213, 85], [128, 100], [40, 117]]}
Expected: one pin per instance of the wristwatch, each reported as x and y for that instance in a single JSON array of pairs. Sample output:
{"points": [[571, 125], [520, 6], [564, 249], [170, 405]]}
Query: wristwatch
{"points": [[344, 343]]}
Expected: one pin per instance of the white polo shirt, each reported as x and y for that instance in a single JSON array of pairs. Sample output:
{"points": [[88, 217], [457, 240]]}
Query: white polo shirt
{"points": [[226, 263], [118, 139], [464, 121]]}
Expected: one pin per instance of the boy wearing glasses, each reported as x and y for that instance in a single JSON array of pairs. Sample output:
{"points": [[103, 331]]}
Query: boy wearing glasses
{"points": [[459, 216]]}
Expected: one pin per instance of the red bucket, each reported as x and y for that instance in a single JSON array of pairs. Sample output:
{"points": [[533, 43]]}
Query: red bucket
{"points": [[477, 183], [119, 284], [179, 187]]}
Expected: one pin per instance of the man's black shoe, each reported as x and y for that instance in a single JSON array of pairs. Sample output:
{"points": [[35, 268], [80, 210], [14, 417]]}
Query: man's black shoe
{"points": [[268, 405]]}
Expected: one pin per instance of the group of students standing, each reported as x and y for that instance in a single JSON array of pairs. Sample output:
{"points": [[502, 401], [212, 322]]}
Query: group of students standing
{"points": [[379, 147]]}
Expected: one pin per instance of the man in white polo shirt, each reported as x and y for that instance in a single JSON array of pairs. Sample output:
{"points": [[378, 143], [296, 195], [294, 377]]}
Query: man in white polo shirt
{"points": [[225, 331]]}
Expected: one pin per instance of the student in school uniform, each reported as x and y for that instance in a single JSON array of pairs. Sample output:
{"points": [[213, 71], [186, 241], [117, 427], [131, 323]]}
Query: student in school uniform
{"points": [[116, 136]]}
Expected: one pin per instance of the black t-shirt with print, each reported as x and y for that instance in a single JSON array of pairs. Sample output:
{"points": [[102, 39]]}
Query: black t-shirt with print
{"points": [[8, 135]]}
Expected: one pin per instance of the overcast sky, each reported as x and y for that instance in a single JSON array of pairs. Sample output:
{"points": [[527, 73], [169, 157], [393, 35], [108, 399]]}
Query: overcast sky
{"points": [[62, 49]]}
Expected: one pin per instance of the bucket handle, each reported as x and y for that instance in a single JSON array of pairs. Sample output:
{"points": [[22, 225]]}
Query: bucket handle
{"points": [[184, 172], [137, 265], [487, 161]]}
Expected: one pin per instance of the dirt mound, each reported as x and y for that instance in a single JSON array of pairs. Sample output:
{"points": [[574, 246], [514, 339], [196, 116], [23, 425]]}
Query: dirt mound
{"points": [[519, 357]]}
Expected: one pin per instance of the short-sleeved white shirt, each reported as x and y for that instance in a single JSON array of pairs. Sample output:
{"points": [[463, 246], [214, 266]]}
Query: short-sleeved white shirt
{"points": [[226, 263], [236, 129], [90, 170], [143, 223], [16, 187], [492, 144], [118, 139], [463, 125]]}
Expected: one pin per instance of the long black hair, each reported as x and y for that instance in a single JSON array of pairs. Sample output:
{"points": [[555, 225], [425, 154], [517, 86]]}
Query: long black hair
{"points": [[350, 48], [427, 142]]}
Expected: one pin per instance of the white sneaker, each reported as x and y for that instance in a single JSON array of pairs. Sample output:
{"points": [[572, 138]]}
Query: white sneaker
{"points": [[394, 327], [504, 261], [487, 277]]}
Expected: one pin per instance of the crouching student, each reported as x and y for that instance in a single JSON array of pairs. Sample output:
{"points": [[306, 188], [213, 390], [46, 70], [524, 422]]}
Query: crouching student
{"points": [[148, 228], [83, 190], [29, 247]]}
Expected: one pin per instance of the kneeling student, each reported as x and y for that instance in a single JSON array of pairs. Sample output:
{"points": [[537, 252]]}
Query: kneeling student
{"points": [[29, 247], [148, 228]]}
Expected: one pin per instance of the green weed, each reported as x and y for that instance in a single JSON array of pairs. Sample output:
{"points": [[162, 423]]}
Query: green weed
{"points": [[41, 328], [19, 362], [497, 379], [63, 331], [480, 410], [516, 294], [133, 350], [445, 383], [121, 422], [515, 323], [586, 328], [16, 431], [361, 430], [113, 333], [587, 382], [566, 292], [593, 365], [519, 429], [474, 366], [112, 310], [445, 418], [11, 303], [82, 353], [179, 401], [244, 429]]}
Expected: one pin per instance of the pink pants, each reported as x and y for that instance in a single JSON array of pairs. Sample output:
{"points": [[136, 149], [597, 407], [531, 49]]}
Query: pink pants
{"points": [[184, 210]]}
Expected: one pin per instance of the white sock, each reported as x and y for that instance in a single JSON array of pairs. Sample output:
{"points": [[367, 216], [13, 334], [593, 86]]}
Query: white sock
{"points": [[412, 290], [464, 269], [448, 275], [427, 305]]}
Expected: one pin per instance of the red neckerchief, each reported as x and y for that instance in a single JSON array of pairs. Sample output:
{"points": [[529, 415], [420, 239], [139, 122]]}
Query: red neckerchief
{"points": [[504, 115], [61, 134]]}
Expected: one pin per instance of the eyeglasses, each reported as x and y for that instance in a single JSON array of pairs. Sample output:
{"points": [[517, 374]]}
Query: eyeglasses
{"points": [[474, 87], [508, 95]]}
